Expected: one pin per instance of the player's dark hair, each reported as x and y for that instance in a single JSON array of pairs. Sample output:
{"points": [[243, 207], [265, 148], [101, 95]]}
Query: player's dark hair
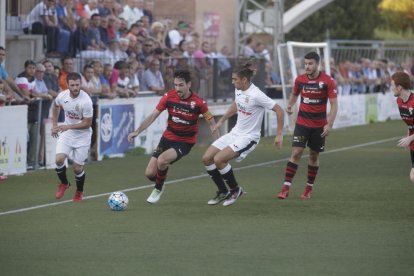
{"points": [[73, 76], [87, 66], [29, 62], [2, 48], [183, 74], [313, 55], [401, 78], [245, 70]]}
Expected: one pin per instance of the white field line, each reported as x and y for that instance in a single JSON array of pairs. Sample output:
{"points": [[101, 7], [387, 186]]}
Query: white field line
{"points": [[195, 177]]}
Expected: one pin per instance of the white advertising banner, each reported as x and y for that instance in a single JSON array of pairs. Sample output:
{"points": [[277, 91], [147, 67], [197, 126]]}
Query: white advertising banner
{"points": [[351, 111], [118, 117], [387, 107], [13, 139]]}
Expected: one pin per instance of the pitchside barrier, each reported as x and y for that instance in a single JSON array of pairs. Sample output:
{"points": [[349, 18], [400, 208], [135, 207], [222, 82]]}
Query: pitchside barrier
{"points": [[116, 118]]}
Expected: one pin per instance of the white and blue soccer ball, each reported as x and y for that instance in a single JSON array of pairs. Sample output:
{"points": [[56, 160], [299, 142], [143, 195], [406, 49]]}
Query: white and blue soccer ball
{"points": [[118, 201]]}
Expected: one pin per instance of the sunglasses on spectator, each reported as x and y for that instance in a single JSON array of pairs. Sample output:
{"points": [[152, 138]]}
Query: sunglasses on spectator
{"points": [[148, 45]]}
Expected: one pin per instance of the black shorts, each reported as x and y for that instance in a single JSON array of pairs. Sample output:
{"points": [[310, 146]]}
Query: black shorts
{"points": [[412, 158], [311, 137], [182, 148]]}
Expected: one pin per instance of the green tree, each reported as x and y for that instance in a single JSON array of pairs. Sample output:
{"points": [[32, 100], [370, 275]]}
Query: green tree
{"points": [[397, 15], [351, 19]]}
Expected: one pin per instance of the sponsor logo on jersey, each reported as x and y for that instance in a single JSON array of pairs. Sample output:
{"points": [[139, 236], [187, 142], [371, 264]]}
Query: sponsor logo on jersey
{"points": [[192, 104]]}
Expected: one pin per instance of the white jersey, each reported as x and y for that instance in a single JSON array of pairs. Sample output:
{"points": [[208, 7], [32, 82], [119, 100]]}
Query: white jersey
{"points": [[75, 110], [251, 105]]}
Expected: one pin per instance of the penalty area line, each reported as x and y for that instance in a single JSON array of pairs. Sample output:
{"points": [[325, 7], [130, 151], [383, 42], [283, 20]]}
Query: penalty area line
{"points": [[195, 177]]}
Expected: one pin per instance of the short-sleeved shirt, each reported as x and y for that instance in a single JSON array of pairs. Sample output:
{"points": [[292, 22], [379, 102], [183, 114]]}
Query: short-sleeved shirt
{"points": [[24, 83], [3, 73], [151, 79], [251, 105], [407, 114], [314, 95], [182, 116], [76, 109]]}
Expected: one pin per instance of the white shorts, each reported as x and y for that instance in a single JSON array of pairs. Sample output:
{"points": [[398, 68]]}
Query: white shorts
{"points": [[239, 144], [79, 155]]}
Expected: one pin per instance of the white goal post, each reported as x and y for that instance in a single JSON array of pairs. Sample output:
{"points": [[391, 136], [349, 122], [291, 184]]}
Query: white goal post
{"points": [[291, 61]]}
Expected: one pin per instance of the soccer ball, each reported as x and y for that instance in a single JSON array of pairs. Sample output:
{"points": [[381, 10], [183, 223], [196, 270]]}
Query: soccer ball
{"points": [[118, 201]]}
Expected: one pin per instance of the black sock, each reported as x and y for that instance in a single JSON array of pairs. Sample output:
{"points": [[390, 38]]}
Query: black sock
{"points": [[229, 178], [160, 178], [80, 181], [61, 173], [152, 178], [218, 180]]}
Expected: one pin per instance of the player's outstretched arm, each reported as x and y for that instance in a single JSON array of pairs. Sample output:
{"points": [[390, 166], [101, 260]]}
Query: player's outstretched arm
{"points": [[144, 125], [280, 122]]}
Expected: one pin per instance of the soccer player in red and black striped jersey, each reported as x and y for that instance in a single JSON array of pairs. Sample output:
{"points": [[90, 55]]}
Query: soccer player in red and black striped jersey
{"points": [[400, 86], [184, 108], [312, 124]]}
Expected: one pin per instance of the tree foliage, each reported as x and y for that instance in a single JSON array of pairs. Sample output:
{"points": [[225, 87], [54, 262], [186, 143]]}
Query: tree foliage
{"points": [[397, 15], [351, 19]]}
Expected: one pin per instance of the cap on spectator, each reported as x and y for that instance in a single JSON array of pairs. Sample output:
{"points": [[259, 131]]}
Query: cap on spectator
{"points": [[182, 25]]}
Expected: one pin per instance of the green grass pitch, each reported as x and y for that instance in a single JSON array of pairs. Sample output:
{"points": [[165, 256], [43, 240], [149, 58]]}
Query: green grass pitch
{"points": [[360, 220]]}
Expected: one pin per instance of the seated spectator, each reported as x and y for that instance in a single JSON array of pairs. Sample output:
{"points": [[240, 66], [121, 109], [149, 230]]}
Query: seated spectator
{"points": [[146, 50], [112, 28], [174, 36], [152, 79], [131, 13], [94, 32], [80, 9], [91, 8], [123, 28], [123, 47], [25, 80], [43, 20], [103, 30], [134, 67], [84, 44], [97, 71], [67, 24], [107, 8], [112, 54], [149, 9], [50, 78]]}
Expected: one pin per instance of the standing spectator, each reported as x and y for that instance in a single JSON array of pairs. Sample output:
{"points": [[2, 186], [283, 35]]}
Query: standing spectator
{"points": [[74, 136], [43, 20], [184, 108], [152, 79], [25, 80], [50, 78], [40, 90], [312, 124], [4, 75], [67, 67], [123, 84], [248, 51], [5, 97], [108, 84]]}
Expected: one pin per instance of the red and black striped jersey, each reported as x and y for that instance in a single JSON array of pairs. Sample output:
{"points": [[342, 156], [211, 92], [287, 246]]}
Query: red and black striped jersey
{"points": [[407, 114], [182, 116], [314, 95]]}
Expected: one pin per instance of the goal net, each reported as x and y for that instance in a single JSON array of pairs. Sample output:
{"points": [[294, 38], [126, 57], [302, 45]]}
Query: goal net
{"points": [[291, 64]]}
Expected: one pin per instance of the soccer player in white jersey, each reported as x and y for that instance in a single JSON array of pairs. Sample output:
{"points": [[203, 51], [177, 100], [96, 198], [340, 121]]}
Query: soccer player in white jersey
{"points": [[250, 104], [74, 136]]}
